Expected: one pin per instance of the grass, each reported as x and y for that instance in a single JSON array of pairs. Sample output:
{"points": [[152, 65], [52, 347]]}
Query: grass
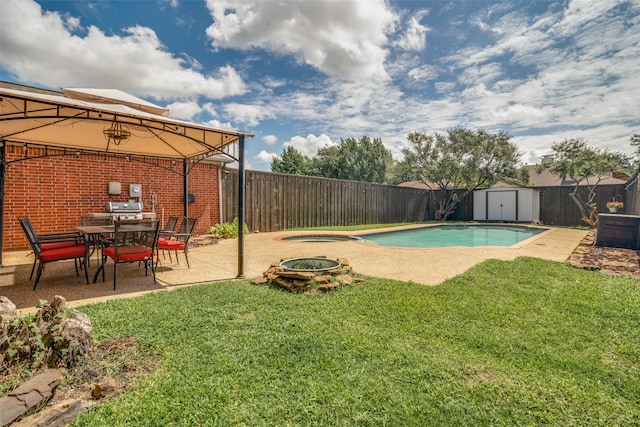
{"points": [[526, 342]]}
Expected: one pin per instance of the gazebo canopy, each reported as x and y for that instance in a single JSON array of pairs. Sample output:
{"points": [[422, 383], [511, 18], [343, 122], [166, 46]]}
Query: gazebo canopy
{"points": [[108, 121], [105, 121]]}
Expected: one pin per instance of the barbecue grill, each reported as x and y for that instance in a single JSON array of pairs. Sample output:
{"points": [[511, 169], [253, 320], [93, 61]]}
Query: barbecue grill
{"points": [[125, 210], [118, 211]]}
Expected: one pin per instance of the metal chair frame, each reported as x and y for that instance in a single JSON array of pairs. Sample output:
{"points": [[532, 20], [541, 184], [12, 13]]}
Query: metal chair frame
{"points": [[133, 241], [179, 241], [52, 247]]}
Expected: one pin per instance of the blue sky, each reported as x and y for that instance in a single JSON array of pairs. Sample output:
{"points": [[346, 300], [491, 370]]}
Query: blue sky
{"points": [[308, 73]]}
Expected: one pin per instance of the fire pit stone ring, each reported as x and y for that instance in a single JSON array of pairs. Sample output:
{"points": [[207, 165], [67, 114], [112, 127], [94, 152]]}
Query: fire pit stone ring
{"points": [[310, 264]]}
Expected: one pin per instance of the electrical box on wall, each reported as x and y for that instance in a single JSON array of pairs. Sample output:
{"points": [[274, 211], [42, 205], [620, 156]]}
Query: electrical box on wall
{"points": [[135, 190], [114, 187], [191, 198]]}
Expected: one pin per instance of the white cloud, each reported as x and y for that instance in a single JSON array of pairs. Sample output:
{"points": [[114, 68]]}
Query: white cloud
{"points": [[248, 114], [340, 38], [184, 110], [423, 72], [265, 157], [220, 125], [310, 144], [415, 37], [269, 139], [46, 47]]}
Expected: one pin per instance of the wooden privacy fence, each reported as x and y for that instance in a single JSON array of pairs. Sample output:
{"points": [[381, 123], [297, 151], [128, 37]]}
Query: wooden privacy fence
{"points": [[557, 208], [276, 201]]}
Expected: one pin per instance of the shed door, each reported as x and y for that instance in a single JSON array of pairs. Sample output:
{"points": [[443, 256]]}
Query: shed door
{"points": [[501, 205]]}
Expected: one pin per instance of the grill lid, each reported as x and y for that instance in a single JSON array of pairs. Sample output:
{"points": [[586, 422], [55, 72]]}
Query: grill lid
{"points": [[124, 207]]}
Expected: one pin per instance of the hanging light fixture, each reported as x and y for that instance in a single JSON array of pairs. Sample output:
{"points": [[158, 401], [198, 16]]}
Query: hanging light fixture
{"points": [[117, 133]]}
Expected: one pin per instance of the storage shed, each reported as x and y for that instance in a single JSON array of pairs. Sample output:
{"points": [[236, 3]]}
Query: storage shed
{"points": [[515, 204]]}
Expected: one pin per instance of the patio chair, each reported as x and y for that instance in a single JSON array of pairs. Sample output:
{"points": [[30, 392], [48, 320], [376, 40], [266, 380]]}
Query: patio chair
{"points": [[55, 247], [133, 242], [179, 241], [170, 228]]}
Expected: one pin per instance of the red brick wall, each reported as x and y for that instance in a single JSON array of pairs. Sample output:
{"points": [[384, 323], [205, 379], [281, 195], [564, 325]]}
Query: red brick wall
{"points": [[55, 191]]}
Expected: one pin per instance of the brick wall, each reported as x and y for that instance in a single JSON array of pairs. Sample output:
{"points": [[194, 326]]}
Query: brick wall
{"points": [[54, 191]]}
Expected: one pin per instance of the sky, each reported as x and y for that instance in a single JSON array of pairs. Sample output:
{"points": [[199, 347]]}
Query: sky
{"points": [[308, 73]]}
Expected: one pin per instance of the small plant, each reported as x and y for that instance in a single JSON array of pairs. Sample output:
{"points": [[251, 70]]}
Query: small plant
{"points": [[226, 230], [307, 265], [615, 205]]}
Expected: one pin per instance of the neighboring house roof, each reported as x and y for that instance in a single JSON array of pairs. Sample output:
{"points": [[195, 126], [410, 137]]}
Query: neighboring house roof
{"points": [[540, 179], [419, 185], [414, 184], [548, 179]]}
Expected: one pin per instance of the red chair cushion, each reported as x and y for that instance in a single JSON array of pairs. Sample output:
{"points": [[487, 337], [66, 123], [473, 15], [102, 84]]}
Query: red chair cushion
{"points": [[49, 246], [171, 245], [63, 253], [128, 253]]}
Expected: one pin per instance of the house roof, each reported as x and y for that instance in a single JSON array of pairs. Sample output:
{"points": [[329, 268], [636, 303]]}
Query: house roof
{"points": [[546, 178], [414, 184]]}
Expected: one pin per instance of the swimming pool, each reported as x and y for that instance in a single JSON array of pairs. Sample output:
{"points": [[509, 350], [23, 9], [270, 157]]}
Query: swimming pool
{"points": [[440, 236]]}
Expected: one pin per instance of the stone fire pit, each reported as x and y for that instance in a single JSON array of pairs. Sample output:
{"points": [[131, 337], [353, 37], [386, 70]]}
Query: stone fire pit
{"points": [[309, 275]]}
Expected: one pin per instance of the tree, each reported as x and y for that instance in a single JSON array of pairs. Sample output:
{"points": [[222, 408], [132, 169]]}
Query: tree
{"points": [[635, 142], [399, 172], [585, 166], [460, 162], [358, 160], [365, 160], [292, 162]]}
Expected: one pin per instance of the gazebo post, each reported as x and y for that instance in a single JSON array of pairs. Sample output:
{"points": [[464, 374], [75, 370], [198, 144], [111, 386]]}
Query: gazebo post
{"points": [[3, 168], [185, 186], [241, 208]]}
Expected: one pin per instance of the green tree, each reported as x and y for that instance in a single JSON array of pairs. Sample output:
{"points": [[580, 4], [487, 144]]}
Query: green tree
{"points": [[292, 161], [399, 172], [365, 160], [460, 162], [586, 166]]}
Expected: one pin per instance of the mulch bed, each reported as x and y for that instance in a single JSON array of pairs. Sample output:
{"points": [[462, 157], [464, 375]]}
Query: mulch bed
{"points": [[202, 240], [623, 262]]}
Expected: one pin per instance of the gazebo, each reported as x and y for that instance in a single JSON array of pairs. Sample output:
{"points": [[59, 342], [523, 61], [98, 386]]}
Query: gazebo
{"points": [[113, 122]]}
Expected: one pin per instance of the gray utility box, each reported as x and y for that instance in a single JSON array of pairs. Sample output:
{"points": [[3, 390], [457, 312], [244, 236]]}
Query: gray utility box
{"points": [[618, 231], [135, 190]]}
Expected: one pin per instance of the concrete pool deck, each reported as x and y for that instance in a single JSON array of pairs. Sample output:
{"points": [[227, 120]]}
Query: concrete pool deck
{"points": [[215, 262]]}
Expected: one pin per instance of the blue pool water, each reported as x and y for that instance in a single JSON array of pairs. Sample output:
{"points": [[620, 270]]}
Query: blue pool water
{"points": [[440, 236]]}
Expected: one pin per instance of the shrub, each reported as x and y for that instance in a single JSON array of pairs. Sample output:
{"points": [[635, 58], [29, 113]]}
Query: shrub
{"points": [[226, 230]]}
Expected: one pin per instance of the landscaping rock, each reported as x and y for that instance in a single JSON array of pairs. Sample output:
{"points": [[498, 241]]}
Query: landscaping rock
{"points": [[8, 314], [7, 310], [260, 281], [56, 416], [29, 395], [344, 279], [621, 262], [308, 281], [76, 338], [100, 390]]}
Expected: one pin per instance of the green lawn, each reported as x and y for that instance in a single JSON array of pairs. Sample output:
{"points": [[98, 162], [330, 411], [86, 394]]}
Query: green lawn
{"points": [[528, 342]]}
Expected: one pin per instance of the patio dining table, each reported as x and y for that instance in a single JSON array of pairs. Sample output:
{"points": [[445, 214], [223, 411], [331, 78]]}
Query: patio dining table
{"points": [[93, 233]]}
